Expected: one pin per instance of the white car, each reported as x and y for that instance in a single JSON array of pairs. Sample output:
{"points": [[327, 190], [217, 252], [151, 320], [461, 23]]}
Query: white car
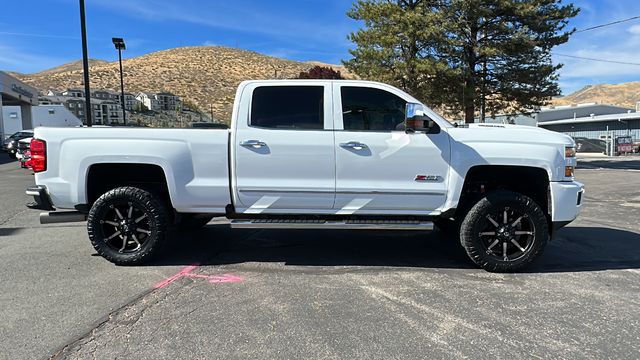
{"points": [[23, 145], [314, 154]]}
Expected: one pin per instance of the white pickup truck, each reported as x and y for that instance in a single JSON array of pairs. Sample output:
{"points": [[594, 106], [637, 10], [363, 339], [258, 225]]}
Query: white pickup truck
{"points": [[313, 154]]}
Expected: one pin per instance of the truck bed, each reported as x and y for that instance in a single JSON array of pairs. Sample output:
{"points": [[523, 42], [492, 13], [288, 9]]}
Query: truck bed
{"points": [[194, 161]]}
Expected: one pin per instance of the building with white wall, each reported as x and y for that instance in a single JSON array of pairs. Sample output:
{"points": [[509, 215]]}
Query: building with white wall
{"points": [[163, 101], [14, 92], [41, 115]]}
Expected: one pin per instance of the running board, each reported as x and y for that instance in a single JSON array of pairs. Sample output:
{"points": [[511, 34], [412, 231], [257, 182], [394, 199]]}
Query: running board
{"points": [[331, 224]]}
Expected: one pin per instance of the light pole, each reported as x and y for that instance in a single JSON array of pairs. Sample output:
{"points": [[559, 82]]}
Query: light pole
{"points": [[85, 66], [119, 44]]}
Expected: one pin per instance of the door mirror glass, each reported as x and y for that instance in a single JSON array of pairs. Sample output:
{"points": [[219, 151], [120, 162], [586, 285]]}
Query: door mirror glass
{"points": [[416, 119]]}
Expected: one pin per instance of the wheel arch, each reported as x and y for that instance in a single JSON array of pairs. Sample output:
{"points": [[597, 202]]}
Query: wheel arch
{"points": [[102, 177], [528, 180]]}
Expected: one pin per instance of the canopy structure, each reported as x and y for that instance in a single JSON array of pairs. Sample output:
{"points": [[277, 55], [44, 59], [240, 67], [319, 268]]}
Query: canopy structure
{"points": [[14, 92]]}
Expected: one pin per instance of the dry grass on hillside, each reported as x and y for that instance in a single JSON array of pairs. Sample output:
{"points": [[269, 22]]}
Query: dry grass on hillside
{"points": [[205, 75], [625, 94]]}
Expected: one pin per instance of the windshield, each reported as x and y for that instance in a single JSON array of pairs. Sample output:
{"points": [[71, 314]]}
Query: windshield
{"points": [[21, 134], [434, 115]]}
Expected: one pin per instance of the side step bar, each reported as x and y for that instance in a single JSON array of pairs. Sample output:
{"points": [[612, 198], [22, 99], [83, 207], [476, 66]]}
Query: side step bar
{"points": [[331, 224], [55, 217]]}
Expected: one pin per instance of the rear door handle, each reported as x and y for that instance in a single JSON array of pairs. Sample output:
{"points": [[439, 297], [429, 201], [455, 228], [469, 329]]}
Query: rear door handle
{"points": [[253, 143], [354, 145]]}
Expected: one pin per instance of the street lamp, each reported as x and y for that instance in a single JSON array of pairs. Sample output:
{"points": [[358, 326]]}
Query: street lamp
{"points": [[119, 44]]}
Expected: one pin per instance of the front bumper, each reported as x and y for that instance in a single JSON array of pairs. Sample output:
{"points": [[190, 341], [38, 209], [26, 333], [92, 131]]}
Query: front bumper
{"points": [[40, 197], [566, 200]]}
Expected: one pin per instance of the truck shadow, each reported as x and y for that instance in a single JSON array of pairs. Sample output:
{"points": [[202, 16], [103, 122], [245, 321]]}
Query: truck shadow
{"points": [[573, 249], [5, 159]]}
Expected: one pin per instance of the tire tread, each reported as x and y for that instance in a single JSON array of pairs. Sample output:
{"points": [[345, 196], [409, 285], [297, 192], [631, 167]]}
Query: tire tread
{"points": [[158, 211]]}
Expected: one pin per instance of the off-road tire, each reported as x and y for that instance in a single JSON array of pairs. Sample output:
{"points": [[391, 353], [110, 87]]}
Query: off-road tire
{"points": [[475, 220], [156, 217]]}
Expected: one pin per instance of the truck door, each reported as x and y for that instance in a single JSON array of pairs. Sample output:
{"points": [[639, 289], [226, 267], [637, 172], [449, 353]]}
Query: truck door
{"points": [[379, 167], [284, 148]]}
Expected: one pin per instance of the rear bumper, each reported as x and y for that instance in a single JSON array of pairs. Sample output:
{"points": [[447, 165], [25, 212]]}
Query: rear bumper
{"points": [[41, 198], [566, 200]]}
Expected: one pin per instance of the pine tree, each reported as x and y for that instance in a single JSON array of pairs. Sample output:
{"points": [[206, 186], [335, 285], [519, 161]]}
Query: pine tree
{"points": [[320, 72], [471, 57]]}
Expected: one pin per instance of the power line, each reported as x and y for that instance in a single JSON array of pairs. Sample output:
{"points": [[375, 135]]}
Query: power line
{"points": [[608, 24], [597, 27], [601, 60]]}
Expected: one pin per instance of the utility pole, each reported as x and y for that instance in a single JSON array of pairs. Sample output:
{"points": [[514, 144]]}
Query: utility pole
{"points": [[85, 66]]}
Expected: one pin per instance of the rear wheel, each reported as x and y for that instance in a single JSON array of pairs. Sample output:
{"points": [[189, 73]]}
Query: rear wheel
{"points": [[504, 232], [127, 226]]}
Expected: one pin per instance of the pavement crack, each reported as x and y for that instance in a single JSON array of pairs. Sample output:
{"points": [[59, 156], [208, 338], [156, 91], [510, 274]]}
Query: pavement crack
{"points": [[14, 216], [112, 319]]}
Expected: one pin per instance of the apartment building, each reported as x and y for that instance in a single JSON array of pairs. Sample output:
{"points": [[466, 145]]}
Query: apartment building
{"points": [[130, 101], [104, 112], [168, 101], [104, 95]]}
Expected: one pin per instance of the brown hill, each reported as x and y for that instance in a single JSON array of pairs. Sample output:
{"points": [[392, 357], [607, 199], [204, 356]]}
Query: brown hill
{"points": [[205, 75], [625, 94]]}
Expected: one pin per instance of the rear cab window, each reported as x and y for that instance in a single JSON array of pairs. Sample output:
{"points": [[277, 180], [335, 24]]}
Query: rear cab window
{"points": [[288, 107]]}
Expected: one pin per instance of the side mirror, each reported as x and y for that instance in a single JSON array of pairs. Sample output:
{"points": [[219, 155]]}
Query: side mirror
{"points": [[416, 120]]}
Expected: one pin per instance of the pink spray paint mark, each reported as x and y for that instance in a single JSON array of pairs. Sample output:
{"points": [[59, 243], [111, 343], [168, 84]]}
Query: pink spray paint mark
{"points": [[187, 272], [175, 277], [217, 279]]}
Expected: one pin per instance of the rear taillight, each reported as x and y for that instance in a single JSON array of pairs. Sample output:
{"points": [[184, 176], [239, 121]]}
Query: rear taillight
{"points": [[38, 150]]}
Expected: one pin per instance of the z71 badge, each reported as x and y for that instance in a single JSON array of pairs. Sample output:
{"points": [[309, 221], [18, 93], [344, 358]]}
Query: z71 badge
{"points": [[427, 178]]}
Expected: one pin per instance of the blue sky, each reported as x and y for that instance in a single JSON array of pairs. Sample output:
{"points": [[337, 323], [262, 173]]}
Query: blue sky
{"points": [[41, 34]]}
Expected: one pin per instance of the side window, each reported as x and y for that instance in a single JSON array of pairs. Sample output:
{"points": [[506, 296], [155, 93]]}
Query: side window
{"points": [[288, 107], [371, 109]]}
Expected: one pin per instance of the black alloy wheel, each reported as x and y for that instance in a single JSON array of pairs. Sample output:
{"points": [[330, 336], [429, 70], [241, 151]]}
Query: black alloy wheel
{"points": [[507, 235], [504, 232], [127, 225]]}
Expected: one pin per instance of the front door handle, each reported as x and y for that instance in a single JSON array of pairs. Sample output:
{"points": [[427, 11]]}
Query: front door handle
{"points": [[253, 143], [354, 145]]}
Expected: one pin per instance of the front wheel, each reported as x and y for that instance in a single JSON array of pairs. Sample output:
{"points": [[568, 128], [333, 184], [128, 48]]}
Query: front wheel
{"points": [[504, 232], [127, 225]]}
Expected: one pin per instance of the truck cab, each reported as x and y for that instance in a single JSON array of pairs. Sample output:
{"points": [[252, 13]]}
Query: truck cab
{"points": [[334, 147]]}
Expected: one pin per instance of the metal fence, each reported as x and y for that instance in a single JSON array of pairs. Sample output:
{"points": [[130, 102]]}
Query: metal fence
{"points": [[600, 136]]}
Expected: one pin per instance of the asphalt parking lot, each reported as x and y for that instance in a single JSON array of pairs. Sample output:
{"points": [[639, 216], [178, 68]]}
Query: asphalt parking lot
{"points": [[324, 294]]}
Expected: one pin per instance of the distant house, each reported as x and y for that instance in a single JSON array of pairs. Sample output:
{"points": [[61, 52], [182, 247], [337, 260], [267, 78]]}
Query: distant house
{"points": [[78, 93], [149, 101], [163, 101]]}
